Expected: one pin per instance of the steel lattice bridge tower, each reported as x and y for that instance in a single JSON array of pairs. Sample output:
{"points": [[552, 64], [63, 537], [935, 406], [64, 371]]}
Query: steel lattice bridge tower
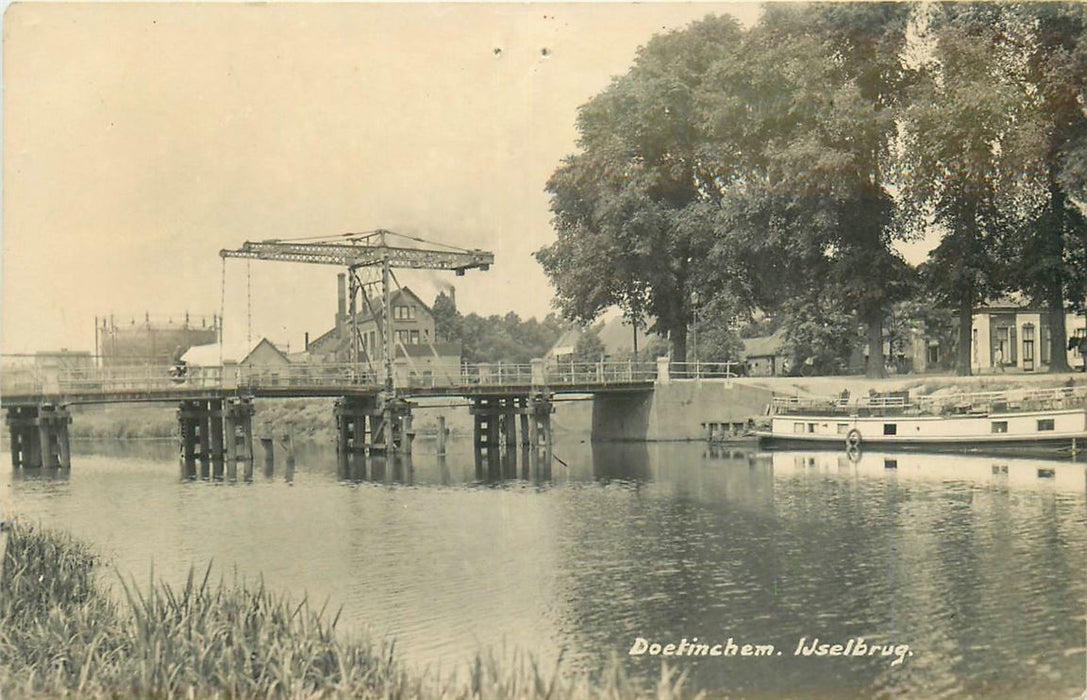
{"points": [[369, 251]]}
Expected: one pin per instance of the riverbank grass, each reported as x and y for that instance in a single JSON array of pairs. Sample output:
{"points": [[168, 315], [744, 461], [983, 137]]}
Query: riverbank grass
{"points": [[63, 634]]}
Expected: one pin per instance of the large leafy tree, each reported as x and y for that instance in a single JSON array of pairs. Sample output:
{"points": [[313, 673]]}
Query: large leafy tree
{"points": [[809, 108], [1048, 248], [957, 131], [748, 167], [633, 209]]}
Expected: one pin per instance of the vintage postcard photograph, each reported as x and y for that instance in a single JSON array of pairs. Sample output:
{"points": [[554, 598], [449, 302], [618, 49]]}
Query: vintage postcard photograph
{"points": [[544, 350]]}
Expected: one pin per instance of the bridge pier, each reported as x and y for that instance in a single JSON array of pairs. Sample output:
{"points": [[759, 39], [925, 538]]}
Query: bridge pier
{"points": [[351, 415], [238, 437], [213, 431], [495, 431], [39, 437], [487, 413], [540, 407], [370, 426], [390, 426]]}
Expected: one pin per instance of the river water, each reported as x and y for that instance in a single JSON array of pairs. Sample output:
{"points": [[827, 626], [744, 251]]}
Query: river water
{"points": [[977, 565]]}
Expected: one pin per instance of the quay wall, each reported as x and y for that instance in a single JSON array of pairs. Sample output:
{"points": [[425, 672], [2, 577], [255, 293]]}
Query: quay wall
{"points": [[678, 410]]}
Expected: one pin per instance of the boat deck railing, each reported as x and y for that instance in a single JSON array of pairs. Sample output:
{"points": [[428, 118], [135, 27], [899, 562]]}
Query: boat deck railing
{"points": [[901, 403]]}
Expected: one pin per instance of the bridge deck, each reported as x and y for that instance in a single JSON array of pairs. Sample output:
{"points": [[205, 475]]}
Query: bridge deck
{"points": [[32, 386], [179, 394]]}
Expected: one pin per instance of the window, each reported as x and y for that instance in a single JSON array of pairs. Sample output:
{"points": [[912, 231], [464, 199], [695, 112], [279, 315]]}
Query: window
{"points": [[890, 428], [811, 427], [403, 337], [1000, 426], [933, 356], [890, 464], [843, 428], [798, 427], [1028, 344], [413, 338], [1045, 424], [404, 313]]}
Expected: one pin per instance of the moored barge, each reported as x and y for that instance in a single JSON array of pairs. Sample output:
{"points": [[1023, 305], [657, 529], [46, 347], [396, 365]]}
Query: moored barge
{"points": [[1049, 421]]}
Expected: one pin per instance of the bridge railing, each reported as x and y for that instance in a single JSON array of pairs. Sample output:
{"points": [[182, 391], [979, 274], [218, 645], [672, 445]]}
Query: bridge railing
{"points": [[497, 373], [104, 380], [705, 370], [603, 373], [33, 380]]}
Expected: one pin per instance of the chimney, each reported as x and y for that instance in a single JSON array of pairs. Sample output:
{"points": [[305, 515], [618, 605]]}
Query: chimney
{"points": [[306, 348], [341, 288], [453, 296]]}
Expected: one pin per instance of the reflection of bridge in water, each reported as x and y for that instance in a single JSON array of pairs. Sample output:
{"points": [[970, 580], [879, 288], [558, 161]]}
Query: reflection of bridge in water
{"points": [[511, 406]]}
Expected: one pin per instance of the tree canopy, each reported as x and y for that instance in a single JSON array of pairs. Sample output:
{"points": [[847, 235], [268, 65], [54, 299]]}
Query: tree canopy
{"points": [[495, 338], [776, 168]]}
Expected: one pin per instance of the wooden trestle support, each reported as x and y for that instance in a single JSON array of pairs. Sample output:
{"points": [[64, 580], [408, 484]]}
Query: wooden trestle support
{"points": [[495, 436], [216, 433], [373, 431], [39, 437]]}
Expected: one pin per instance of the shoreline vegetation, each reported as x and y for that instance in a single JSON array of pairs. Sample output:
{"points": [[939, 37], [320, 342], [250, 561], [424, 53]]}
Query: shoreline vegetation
{"points": [[310, 420], [63, 633]]}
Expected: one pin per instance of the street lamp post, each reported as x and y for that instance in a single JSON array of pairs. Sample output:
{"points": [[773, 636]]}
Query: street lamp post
{"points": [[694, 331]]}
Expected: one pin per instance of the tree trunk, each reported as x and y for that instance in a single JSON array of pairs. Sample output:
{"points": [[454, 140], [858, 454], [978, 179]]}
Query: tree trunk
{"points": [[1058, 349], [876, 360], [1058, 334], [678, 338], [966, 327]]}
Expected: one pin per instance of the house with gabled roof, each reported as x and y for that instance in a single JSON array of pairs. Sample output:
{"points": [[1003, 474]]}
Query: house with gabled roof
{"points": [[765, 356], [419, 357], [258, 360]]}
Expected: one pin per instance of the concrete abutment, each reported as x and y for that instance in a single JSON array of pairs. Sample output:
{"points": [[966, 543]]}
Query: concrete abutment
{"points": [[676, 410]]}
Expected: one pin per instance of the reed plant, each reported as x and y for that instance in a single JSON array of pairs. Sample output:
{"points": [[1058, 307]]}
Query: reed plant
{"points": [[62, 634]]}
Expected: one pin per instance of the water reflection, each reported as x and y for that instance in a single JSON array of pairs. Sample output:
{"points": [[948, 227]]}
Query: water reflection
{"points": [[1016, 472], [41, 474], [976, 563], [620, 461]]}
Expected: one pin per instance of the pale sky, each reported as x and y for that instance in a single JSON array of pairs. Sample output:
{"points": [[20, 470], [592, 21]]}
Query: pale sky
{"points": [[139, 140]]}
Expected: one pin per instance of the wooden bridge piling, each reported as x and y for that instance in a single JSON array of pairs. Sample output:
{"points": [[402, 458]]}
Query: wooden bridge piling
{"points": [[39, 436], [495, 433], [267, 442], [215, 433], [215, 426], [353, 415], [186, 435], [203, 435], [441, 436]]}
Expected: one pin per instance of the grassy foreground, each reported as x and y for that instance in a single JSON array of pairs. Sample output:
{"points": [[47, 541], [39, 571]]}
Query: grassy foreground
{"points": [[63, 635]]}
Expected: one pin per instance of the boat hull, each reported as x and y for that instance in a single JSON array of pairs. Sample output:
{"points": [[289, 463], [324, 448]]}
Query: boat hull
{"points": [[1062, 432], [1022, 446]]}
